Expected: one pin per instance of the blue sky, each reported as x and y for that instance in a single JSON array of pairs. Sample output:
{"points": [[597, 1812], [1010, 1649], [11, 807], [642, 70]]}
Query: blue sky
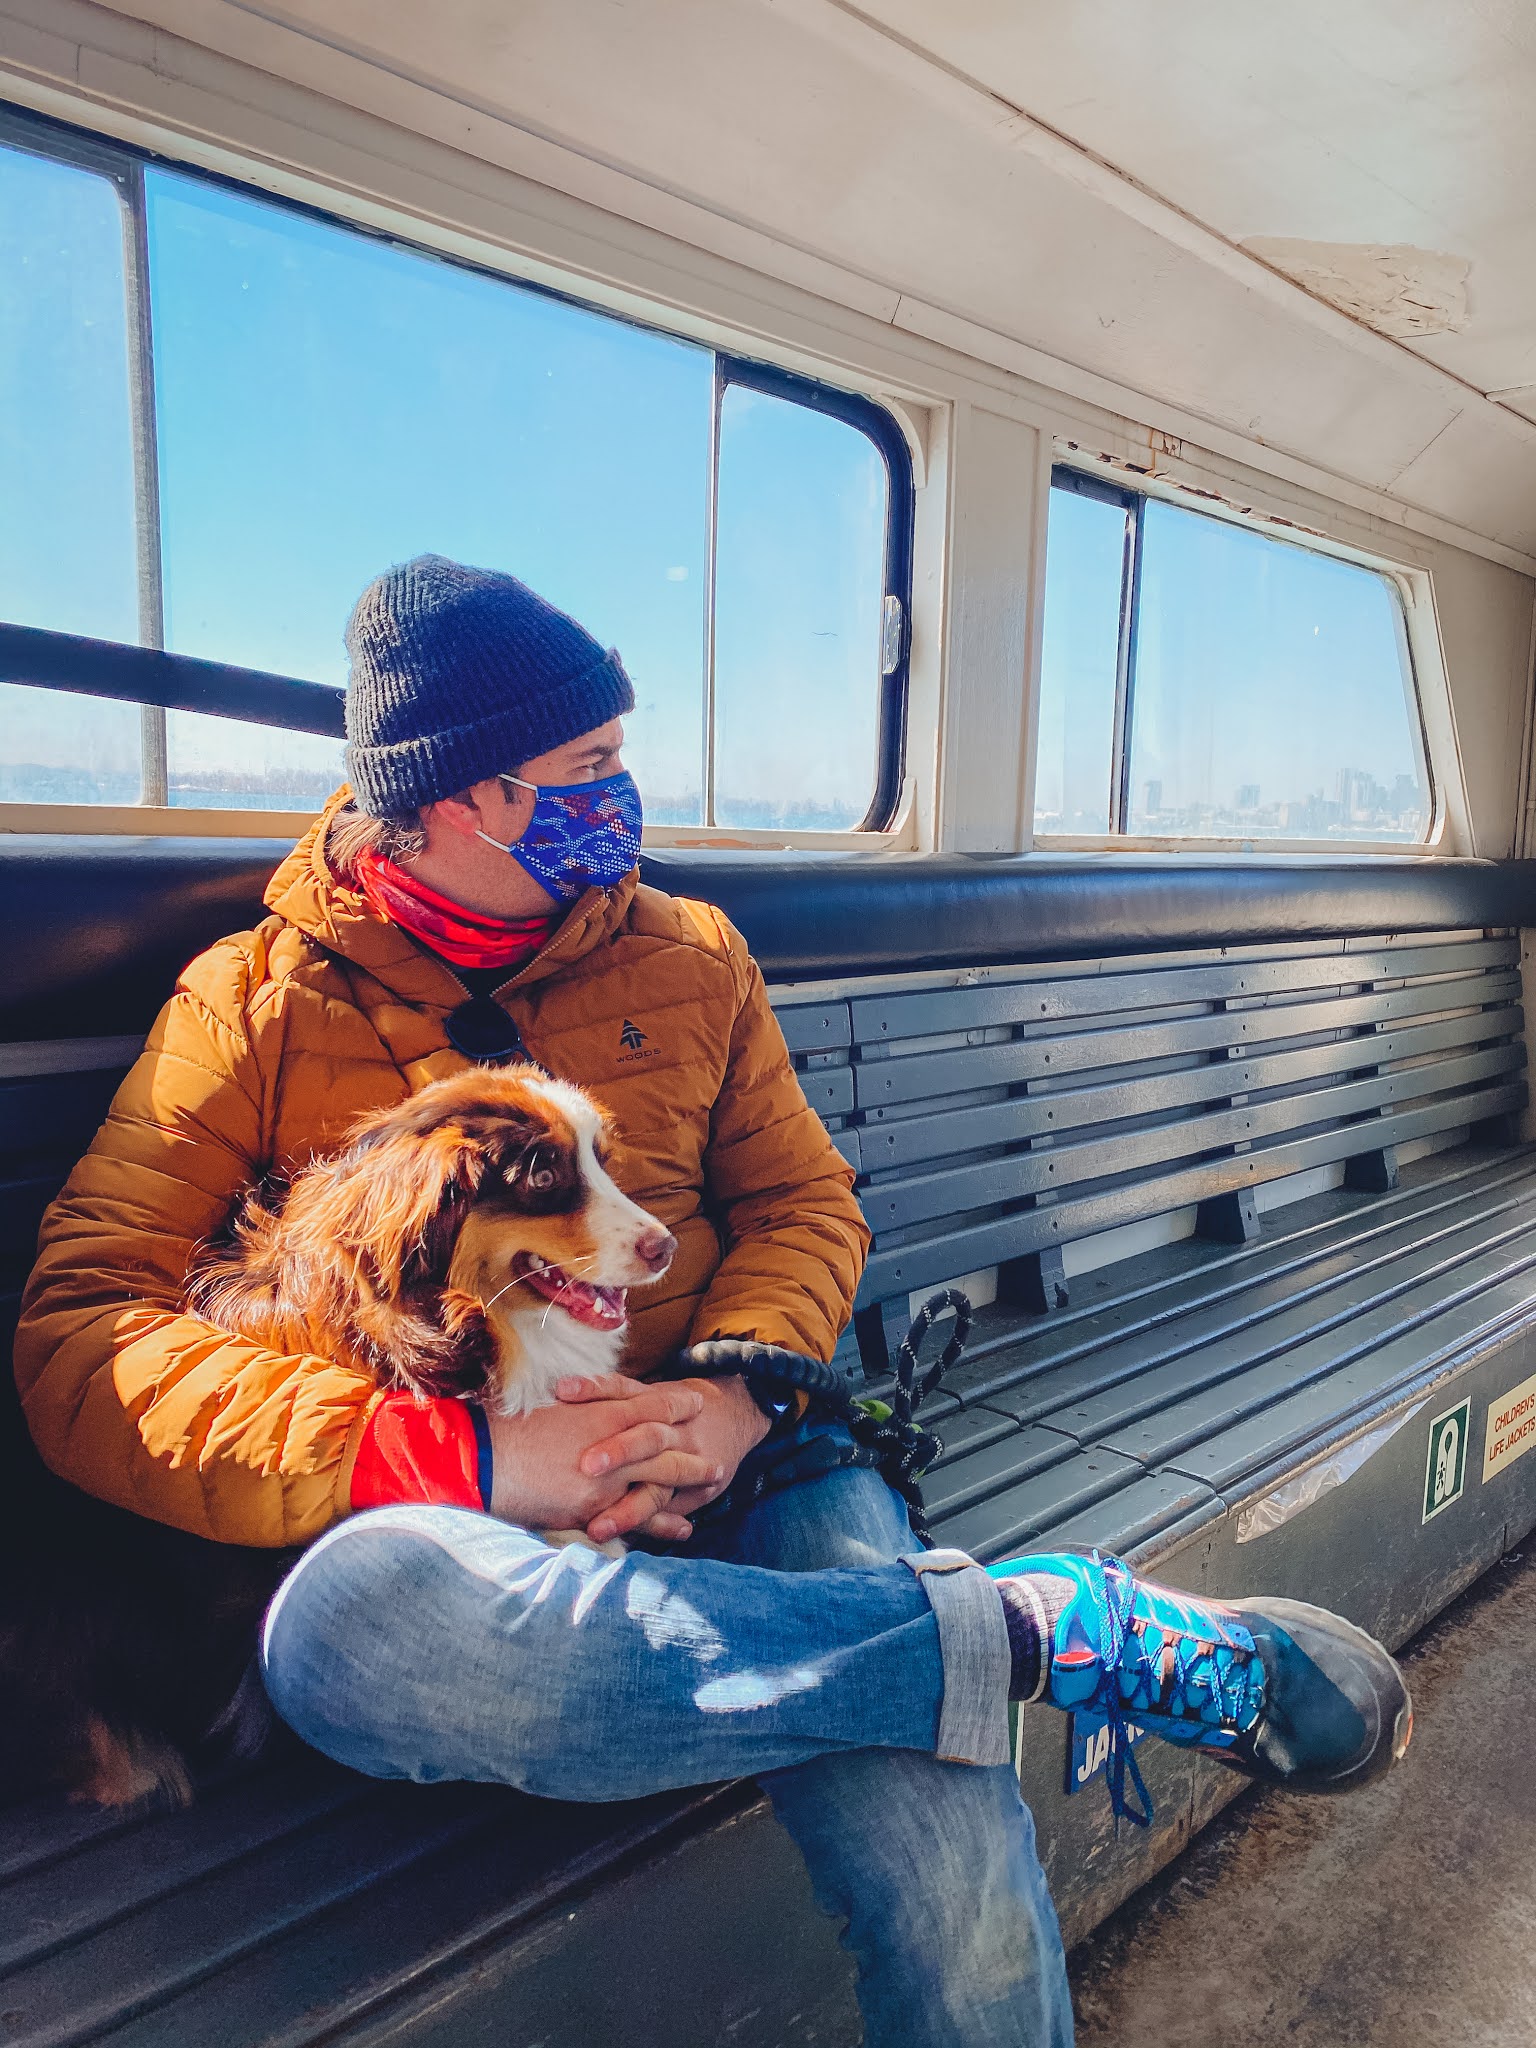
{"points": [[1258, 663], [329, 403], [66, 469]]}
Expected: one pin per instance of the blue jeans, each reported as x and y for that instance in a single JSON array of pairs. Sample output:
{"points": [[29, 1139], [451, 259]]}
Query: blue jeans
{"points": [[861, 1679]]}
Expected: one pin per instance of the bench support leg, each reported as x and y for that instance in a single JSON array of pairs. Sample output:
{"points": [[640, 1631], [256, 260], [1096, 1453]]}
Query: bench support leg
{"points": [[1372, 1173], [1230, 1219], [879, 1330], [1496, 1130], [1036, 1280]]}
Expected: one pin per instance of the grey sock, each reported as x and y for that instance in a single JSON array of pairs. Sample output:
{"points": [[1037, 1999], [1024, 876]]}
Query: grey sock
{"points": [[1032, 1605]]}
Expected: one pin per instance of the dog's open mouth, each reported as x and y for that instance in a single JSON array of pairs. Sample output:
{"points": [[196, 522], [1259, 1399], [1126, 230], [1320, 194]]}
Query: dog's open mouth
{"points": [[600, 1308]]}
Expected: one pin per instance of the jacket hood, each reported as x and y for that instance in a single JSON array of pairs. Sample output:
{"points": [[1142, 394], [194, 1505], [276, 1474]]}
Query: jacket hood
{"points": [[306, 892]]}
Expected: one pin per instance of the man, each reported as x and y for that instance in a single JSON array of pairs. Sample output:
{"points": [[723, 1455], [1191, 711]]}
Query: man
{"points": [[475, 896]]}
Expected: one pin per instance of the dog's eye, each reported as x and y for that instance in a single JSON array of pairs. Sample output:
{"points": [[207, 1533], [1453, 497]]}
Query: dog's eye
{"points": [[541, 1174]]}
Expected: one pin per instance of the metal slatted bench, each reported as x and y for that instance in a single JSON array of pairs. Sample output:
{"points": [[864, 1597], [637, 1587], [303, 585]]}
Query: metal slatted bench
{"points": [[1255, 1224], [994, 1124], [1334, 1126]]}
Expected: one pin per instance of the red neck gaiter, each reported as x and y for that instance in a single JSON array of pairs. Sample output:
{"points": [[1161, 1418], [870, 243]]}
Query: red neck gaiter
{"points": [[464, 938]]}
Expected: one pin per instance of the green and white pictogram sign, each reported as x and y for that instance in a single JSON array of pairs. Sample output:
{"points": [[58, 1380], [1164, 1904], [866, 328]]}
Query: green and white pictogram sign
{"points": [[1445, 1470]]}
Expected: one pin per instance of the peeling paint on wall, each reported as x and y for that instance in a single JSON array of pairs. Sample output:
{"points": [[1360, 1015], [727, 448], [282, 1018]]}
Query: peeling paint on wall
{"points": [[1397, 289]]}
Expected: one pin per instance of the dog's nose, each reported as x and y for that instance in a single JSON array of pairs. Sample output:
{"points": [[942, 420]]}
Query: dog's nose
{"points": [[654, 1248]]}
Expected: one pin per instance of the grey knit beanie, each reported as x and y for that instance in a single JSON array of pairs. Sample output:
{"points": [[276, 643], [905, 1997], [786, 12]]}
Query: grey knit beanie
{"points": [[458, 674]]}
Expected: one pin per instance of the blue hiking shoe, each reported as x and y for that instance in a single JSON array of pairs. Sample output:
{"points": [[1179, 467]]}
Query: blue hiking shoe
{"points": [[1284, 1692]]}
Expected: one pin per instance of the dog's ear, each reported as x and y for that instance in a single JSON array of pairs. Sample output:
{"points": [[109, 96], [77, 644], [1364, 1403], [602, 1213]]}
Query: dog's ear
{"points": [[417, 1189], [408, 1207]]}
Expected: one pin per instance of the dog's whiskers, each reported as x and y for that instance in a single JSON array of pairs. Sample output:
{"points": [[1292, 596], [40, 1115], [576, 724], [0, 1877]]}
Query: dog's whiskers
{"points": [[516, 1282], [518, 1279], [554, 1299]]}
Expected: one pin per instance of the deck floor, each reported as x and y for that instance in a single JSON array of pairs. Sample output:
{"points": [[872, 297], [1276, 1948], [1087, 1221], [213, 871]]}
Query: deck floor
{"points": [[1405, 1916]]}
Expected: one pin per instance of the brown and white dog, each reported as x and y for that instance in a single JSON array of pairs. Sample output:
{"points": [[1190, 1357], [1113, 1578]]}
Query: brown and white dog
{"points": [[469, 1241]]}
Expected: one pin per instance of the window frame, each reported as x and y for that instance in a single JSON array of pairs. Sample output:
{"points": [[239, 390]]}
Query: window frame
{"points": [[158, 680], [1132, 499]]}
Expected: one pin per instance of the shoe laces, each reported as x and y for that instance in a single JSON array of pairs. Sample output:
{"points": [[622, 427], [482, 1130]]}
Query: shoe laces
{"points": [[1113, 1592], [1194, 1664]]}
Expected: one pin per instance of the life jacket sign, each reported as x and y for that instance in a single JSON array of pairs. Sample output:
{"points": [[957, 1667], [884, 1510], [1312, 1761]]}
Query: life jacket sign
{"points": [[1088, 1747], [1445, 1467], [1511, 1428]]}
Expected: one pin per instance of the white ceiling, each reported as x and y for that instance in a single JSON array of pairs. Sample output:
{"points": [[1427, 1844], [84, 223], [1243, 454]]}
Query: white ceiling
{"points": [[1079, 177], [1408, 122]]}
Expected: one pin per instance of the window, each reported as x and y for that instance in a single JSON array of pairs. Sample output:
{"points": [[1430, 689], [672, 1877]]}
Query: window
{"points": [[313, 402], [67, 549], [1201, 680], [801, 510]]}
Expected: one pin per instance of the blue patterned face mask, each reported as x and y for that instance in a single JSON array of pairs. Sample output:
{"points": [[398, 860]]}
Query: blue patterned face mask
{"points": [[580, 834]]}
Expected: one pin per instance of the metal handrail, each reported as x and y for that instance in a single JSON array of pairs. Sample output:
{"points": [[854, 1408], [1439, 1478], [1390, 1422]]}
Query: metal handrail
{"points": [[179, 682]]}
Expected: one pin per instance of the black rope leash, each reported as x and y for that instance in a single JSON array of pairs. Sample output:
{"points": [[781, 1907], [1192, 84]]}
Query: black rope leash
{"points": [[886, 1437]]}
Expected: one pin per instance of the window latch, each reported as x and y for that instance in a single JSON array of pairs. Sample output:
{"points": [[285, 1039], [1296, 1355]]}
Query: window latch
{"points": [[892, 628]]}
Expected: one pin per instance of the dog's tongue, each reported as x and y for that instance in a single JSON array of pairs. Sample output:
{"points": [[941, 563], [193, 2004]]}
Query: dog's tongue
{"points": [[600, 1308]]}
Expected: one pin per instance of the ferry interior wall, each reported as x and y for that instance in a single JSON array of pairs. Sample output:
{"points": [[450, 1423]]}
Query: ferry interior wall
{"points": [[1063, 484]]}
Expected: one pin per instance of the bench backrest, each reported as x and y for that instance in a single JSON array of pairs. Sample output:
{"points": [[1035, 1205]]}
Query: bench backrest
{"points": [[993, 1123], [995, 1112]]}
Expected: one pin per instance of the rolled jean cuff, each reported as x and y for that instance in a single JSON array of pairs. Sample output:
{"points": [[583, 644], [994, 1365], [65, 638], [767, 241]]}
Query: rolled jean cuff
{"points": [[973, 1642]]}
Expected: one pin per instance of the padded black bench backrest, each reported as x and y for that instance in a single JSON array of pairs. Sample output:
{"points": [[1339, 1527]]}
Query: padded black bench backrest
{"points": [[993, 1124]]}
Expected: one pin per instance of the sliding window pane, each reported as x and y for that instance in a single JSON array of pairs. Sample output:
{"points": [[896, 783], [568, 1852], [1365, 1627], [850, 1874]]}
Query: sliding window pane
{"points": [[801, 517], [329, 404], [67, 550], [1273, 696], [1084, 569]]}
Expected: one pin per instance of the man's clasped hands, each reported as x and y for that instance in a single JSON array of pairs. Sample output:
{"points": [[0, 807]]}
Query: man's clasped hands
{"points": [[617, 1457]]}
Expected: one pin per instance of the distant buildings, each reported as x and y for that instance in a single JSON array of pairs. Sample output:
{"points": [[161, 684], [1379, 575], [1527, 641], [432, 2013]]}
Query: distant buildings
{"points": [[1359, 808]]}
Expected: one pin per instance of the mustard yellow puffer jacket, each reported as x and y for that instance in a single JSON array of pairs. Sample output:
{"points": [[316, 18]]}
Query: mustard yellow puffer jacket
{"points": [[273, 1042]]}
